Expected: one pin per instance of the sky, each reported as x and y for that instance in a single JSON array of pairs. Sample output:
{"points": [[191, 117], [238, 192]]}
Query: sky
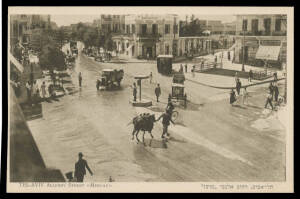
{"points": [[63, 20]]}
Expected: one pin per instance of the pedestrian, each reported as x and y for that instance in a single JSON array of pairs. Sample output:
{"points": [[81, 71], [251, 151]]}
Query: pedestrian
{"points": [[80, 166], [238, 86], [165, 122], [250, 76], [269, 100], [79, 79], [134, 92], [150, 77], [157, 92], [43, 88], [276, 92], [181, 68], [35, 90], [216, 59], [50, 90], [275, 76], [185, 66], [28, 89], [236, 77], [228, 55], [271, 89], [245, 95], [232, 97], [193, 70]]}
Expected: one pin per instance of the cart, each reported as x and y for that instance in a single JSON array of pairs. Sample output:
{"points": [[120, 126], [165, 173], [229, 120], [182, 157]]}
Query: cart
{"points": [[178, 94], [164, 64]]}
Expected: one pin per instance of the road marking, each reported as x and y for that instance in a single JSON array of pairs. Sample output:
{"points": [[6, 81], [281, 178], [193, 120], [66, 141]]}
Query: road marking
{"points": [[190, 135]]}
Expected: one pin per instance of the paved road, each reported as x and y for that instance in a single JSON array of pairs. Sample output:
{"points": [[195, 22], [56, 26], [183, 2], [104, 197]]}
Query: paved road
{"points": [[211, 141]]}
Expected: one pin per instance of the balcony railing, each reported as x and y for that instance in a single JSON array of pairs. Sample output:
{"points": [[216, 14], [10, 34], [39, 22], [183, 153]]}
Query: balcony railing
{"points": [[149, 35], [263, 33]]}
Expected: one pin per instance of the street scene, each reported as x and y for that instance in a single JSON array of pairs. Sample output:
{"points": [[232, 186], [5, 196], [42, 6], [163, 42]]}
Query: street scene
{"points": [[148, 98]]}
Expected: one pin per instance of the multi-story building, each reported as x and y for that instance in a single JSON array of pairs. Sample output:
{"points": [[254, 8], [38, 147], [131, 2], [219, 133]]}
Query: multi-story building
{"points": [[23, 26], [261, 38], [110, 23], [148, 35]]}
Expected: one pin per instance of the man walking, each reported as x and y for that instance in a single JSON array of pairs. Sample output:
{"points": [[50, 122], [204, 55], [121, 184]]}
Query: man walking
{"points": [[134, 92], [238, 86], [157, 92], [269, 100], [150, 77], [28, 89], [80, 166], [43, 88], [185, 67], [79, 79], [165, 122], [250, 75], [276, 92]]}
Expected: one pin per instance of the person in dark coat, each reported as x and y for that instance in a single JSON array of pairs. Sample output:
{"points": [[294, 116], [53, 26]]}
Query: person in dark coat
{"points": [[269, 100], [228, 54], [166, 122], [157, 92], [79, 79], [250, 75], [238, 86], [232, 97], [185, 67], [271, 89], [276, 92], [134, 92], [80, 167]]}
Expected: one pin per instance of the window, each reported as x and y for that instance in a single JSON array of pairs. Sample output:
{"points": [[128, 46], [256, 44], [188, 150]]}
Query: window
{"points": [[167, 28], [175, 29], [245, 23], [128, 29], [278, 25], [167, 51], [254, 25], [144, 28], [133, 28], [267, 25], [154, 29]]}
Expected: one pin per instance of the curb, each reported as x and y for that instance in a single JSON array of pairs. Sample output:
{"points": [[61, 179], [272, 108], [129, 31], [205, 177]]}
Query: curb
{"points": [[223, 87]]}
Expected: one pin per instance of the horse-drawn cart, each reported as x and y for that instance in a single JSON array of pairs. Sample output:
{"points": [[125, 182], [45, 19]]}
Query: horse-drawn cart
{"points": [[178, 93]]}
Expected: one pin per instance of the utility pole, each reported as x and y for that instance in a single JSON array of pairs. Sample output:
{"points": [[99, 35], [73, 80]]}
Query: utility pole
{"points": [[244, 29]]}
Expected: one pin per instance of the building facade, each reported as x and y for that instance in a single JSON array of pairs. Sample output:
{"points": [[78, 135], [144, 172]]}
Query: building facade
{"points": [[261, 38], [22, 26], [147, 36], [110, 23]]}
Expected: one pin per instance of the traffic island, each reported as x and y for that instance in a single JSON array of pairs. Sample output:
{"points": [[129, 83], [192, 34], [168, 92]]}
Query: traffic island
{"points": [[141, 103]]}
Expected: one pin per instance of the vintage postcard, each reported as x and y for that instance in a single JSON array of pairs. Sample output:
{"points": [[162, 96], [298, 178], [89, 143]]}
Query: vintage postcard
{"points": [[150, 99]]}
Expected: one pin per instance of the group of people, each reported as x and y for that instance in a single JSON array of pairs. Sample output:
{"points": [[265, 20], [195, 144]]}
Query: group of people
{"points": [[273, 94], [34, 91]]}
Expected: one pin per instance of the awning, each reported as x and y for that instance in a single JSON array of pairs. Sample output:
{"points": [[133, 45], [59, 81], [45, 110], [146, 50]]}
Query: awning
{"points": [[16, 63], [268, 53]]}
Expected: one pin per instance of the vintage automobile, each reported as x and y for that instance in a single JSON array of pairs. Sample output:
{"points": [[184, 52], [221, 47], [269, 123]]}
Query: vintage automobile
{"points": [[178, 93], [164, 64], [109, 77]]}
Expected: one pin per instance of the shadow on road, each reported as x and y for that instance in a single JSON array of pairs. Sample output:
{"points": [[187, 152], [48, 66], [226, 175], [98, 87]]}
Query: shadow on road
{"points": [[154, 143]]}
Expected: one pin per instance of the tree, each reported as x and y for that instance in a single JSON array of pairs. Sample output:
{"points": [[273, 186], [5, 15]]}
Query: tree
{"points": [[52, 58]]}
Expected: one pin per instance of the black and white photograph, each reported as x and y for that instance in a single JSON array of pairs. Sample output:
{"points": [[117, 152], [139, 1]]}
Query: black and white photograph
{"points": [[150, 99]]}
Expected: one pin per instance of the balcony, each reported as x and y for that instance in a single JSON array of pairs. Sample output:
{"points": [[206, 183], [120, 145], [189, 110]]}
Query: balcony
{"points": [[149, 36]]}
